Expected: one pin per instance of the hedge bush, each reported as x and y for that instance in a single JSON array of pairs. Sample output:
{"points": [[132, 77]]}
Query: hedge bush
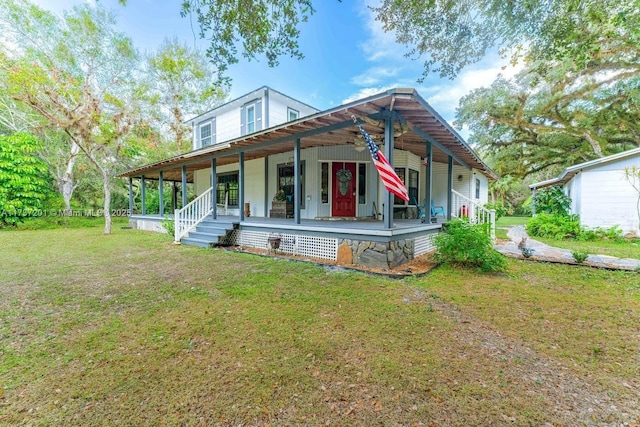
{"points": [[468, 245]]}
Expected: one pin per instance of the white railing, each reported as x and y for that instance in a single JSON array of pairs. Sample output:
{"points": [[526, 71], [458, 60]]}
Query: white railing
{"points": [[462, 206], [192, 214]]}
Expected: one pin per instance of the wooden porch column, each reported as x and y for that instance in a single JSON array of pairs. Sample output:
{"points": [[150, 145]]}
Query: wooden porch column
{"points": [[296, 181], [214, 189], [241, 186], [161, 193], [130, 196], [143, 195], [428, 186], [174, 197], [184, 186], [449, 187], [267, 196], [388, 153]]}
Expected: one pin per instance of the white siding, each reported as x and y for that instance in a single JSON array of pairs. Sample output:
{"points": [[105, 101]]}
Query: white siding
{"points": [[228, 125], [607, 199], [279, 105], [273, 111]]}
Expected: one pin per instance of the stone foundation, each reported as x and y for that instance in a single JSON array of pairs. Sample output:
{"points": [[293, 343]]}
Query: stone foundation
{"points": [[375, 254]]}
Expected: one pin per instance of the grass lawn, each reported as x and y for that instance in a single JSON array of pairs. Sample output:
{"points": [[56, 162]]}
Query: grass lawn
{"points": [[625, 249], [129, 329], [508, 221]]}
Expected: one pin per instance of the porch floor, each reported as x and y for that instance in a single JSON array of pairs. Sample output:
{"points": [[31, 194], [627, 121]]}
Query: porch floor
{"points": [[349, 226]]}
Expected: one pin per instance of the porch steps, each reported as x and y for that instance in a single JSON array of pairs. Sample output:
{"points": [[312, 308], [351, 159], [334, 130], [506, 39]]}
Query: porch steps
{"points": [[208, 233]]}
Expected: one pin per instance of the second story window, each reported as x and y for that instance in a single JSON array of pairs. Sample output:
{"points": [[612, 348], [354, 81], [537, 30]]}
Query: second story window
{"points": [[251, 118], [205, 135], [292, 114]]}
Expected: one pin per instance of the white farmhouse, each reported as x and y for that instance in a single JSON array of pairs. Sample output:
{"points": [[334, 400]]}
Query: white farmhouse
{"points": [[266, 167]]}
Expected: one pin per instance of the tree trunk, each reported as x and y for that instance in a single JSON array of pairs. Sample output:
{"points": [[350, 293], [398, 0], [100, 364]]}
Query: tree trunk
{"points": [[106, 184], [65, 182]]}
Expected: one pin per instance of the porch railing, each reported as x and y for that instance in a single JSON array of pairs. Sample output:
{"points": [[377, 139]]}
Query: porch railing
{"points": [[192, 214], [462, 206]]}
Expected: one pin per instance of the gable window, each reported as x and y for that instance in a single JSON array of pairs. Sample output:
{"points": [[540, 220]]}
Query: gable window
{"points": [[477, 188], [227, 188], [292, 114], [251, 118], [286, 177], [205, 135]]}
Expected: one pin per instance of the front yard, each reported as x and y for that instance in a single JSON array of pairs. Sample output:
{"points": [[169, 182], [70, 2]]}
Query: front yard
{"points": [[129, 329]]}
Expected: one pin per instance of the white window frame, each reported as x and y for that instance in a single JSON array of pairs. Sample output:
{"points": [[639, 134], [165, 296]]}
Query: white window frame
{"points": [[291, 111], [251, 125], [201, 127]]}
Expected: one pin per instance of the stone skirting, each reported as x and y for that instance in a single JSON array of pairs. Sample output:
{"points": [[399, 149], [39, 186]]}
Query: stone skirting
{"points": [[375, 254]]}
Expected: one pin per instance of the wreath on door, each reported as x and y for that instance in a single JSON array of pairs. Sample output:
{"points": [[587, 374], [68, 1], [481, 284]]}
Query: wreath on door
{"points": [[344, 177]]}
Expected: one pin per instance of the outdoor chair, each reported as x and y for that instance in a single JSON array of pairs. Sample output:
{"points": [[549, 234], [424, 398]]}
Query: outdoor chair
{"points": [[435, 210]]}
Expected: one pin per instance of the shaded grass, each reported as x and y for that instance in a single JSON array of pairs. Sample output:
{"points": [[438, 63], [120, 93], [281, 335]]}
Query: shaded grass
{"points": [[508, 221], [129, 329]]}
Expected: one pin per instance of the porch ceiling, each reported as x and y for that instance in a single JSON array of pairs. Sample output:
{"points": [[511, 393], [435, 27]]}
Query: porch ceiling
{"points": [[417, 122]]}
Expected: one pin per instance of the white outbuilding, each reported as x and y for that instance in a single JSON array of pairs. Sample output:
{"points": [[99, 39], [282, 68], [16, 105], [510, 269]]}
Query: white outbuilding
{"points": [[601, 193]]}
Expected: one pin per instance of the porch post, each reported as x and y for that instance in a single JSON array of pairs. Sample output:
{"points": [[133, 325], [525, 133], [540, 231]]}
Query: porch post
{"points": [[143, 195], [388, 152], [449, 187], [214, 189], [241, 186], [428, 184], [267, 196], [130, 196], [296, 181], [161, 193], [184, 186], [174, 197]]}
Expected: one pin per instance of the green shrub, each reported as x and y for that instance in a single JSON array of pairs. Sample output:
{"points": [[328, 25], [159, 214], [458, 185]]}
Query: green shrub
{"points": [[553, 201], [469, 245], [554, 226], [500, 209], [613, 234], [169, 225], [580, 256]]}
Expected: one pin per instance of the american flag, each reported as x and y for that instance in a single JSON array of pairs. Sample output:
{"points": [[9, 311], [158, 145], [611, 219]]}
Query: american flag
{"points": [[389, 177]]}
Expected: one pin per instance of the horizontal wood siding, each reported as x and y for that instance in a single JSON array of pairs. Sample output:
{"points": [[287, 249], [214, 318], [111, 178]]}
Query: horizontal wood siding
{"points": [[228, 125]]}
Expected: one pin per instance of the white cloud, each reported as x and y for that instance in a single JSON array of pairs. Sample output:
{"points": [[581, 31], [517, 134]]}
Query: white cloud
{"points": [[375, 75], [365, 92], [446, 95], [381, 45]]}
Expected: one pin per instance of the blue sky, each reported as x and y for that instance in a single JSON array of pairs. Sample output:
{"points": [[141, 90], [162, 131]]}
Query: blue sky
{"points": [[347, 55]]}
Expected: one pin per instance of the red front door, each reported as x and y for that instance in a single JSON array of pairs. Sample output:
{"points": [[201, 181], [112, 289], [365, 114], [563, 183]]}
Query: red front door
{"points": [[343, 202]]}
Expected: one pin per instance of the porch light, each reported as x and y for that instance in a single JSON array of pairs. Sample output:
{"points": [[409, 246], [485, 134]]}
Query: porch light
{"points": [[358, 144]]}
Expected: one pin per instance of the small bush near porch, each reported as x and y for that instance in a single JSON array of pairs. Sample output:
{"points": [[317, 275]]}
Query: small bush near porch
{"points": [[129, 329]]}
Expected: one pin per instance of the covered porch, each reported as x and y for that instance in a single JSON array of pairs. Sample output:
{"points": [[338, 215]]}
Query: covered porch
{"points": [[434, 162]]}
